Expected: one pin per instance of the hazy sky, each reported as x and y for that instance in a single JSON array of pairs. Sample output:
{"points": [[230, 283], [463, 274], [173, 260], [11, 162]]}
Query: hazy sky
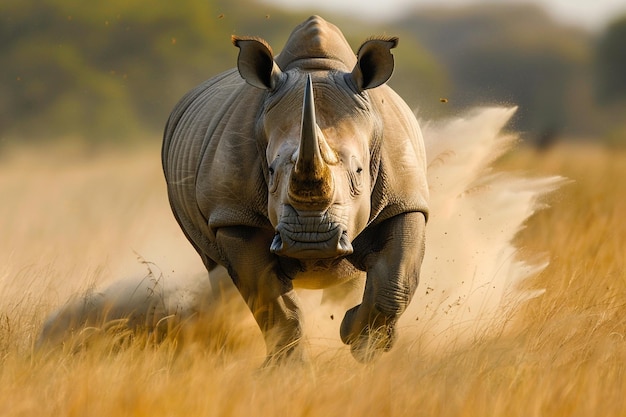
{"points": [[592, 14]]}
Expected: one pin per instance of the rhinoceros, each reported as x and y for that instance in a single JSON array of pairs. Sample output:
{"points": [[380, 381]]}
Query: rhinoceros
{"points": [[304, 169]]}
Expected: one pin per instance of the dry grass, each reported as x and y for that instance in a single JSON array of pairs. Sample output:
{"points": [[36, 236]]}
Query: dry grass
{"points": [[73, 221]]}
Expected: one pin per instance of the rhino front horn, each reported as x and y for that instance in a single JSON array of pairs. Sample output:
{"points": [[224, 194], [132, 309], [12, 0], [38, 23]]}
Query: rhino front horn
{"points": [[311, 182]]}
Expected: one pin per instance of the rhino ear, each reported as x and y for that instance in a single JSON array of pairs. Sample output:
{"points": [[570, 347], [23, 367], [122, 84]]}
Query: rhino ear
{"points": [[256, 63], [375, 63]]}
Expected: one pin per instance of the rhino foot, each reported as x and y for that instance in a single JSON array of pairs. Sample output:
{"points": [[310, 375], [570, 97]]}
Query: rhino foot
{"points": [[368, 339]]}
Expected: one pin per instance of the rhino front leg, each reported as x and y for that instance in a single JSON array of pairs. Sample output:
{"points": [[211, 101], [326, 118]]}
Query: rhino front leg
{"points": [[267, 291], [395, 250]]}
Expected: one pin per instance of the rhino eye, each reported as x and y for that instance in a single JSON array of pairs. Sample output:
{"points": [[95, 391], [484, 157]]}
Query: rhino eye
{"points": [[354, 162], [354, 176], [273, 180], [271, 168]]}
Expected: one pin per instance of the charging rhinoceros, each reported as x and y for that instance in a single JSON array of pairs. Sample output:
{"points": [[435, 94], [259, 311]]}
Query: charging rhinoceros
{"points": [[304, 169]]}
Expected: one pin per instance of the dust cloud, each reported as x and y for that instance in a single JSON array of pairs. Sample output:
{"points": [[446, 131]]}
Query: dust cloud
{"points": [[472, 278]]}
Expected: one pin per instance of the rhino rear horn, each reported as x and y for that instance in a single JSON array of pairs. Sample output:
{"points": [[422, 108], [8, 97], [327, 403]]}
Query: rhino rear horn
{"points": [[256, 63], [375, 63]]}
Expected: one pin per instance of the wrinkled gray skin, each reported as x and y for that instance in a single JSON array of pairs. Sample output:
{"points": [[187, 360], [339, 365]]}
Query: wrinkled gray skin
{"points": [[304, 169]]}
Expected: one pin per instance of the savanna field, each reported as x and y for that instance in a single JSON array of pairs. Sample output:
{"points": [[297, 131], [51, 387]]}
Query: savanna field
{"points": [[74, 220]]}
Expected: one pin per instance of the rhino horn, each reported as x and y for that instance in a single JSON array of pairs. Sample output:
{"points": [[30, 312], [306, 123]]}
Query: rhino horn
{"points": [[311, 184]]}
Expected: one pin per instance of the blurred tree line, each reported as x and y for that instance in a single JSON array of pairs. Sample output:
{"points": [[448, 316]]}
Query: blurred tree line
{"points": [[112, 71], [565, 80]]}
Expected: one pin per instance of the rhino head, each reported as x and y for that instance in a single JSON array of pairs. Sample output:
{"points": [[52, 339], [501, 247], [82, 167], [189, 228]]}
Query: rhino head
{"points": [[320, 135]]}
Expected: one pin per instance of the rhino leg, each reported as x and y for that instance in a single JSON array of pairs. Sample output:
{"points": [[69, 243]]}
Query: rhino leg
{"points": [[393, 256], [267, 291]]}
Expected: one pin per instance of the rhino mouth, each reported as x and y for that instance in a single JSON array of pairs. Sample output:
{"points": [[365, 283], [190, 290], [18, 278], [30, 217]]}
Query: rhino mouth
{"points": [[311, 234]]}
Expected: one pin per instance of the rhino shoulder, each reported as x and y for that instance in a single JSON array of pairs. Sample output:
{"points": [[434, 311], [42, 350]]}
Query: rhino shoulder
{"points": [[211, 160], [400, 185]]}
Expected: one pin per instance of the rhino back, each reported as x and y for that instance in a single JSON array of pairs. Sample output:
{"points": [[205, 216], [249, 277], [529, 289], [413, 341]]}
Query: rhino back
{"points": [[212, 162], [316, 44]]}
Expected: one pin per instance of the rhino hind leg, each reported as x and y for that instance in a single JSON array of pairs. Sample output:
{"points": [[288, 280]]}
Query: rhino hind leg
{"points": [[394, 252], [268, 293]]}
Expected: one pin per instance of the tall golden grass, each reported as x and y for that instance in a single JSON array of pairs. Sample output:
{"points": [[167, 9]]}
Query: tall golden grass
{"points": [[74, 220]]}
